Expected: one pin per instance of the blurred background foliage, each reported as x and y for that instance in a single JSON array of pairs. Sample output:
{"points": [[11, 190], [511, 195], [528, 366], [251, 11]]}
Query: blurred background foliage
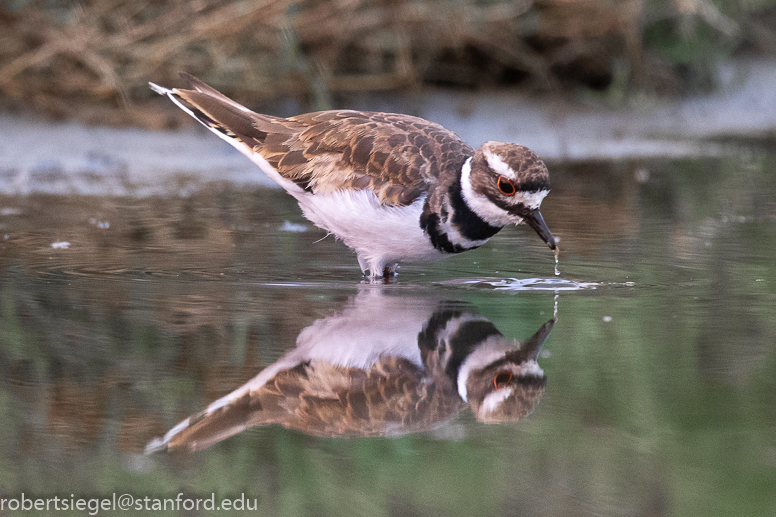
{"points": [[91, 60]]}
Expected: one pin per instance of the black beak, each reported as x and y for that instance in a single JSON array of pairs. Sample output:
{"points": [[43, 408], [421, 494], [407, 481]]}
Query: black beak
{"points": [[537, 340], [530, 349], [535, 220]]}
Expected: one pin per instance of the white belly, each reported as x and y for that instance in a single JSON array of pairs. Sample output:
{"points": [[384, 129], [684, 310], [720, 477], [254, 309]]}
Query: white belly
{"points": [[381, 235]]}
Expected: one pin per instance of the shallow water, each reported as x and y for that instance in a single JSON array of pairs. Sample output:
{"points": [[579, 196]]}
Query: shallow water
{"points": [[120, 317]]}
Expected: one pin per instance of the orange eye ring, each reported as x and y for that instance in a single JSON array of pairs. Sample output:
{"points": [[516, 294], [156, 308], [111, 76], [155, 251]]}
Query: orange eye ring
{"points": [[506, 186], [502, 379]]}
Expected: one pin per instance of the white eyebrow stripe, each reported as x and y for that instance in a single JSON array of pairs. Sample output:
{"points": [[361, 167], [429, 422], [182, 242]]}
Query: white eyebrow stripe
{"points": [[500, 166], [493, 400]]}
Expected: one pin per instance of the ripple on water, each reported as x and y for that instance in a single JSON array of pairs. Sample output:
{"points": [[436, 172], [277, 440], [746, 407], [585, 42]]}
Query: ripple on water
{"points": [[523, 284]]}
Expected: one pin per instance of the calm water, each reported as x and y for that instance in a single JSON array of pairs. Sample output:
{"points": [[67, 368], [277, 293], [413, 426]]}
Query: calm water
{"points": [[660, 395]]}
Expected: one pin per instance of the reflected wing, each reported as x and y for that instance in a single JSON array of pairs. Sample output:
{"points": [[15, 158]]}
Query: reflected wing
{"points": [[391, 398]]}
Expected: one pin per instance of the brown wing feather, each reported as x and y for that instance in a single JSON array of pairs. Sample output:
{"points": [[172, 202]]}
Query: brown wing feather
{"points": [[397, 156]]}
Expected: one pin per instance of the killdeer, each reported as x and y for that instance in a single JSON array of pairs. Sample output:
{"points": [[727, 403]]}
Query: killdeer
{"points": [[392, 187], [352, 374]]}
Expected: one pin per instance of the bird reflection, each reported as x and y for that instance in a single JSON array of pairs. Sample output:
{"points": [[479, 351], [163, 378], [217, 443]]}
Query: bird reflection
{"points": [[385, 366]]}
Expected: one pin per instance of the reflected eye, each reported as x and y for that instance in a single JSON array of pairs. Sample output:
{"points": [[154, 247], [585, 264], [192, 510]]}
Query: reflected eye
{"points": [[506, 186], [502, 380]]}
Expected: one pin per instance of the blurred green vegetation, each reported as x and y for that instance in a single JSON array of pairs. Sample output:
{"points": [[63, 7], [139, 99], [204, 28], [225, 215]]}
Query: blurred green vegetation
{"points": [[666, 409], [91, 60]]}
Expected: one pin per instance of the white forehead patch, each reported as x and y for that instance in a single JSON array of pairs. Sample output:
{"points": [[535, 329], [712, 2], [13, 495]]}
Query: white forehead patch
{"points": [[500, 166], [531, 368], [532, 200]]}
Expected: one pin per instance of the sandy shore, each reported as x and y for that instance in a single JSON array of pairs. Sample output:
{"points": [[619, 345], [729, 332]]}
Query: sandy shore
{"points": [[38, 156]]}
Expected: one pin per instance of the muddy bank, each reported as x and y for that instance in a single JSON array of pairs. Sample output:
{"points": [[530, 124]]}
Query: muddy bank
{"points": [[38, 156]]}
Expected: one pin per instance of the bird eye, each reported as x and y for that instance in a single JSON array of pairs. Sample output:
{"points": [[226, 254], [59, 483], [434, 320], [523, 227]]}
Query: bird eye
{"points": [[502, 380], [506, 186]]}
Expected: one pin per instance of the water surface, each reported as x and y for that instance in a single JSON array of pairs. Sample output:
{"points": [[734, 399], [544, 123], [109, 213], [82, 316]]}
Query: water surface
{"points": [[120, 317]]}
